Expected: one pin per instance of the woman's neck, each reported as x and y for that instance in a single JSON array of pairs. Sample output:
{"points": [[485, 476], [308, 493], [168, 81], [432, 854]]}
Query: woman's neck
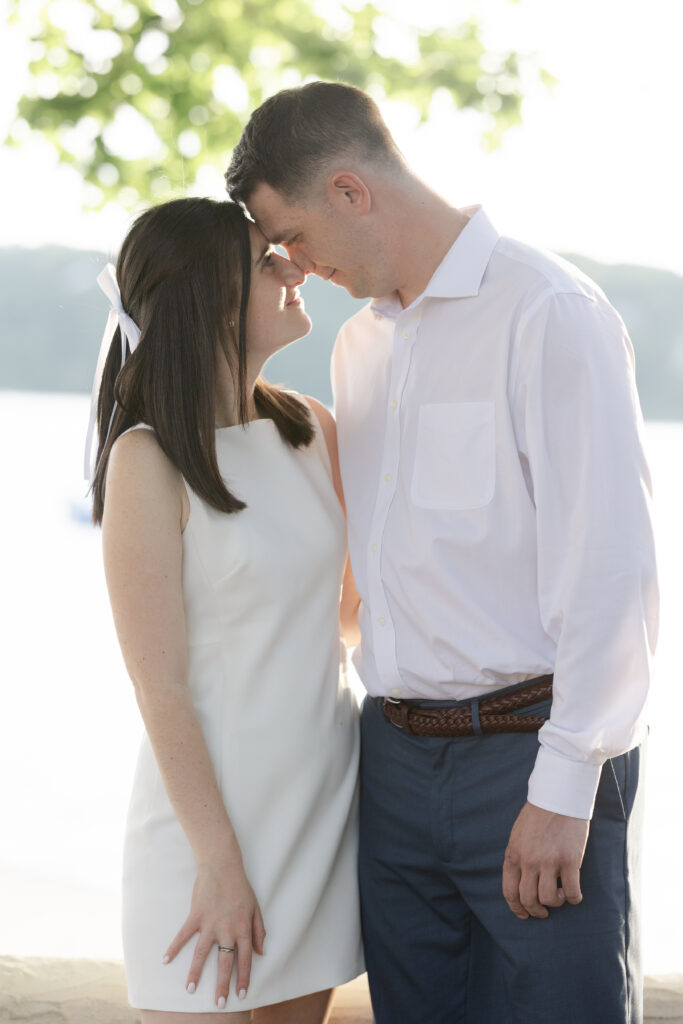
{"points": [[227, 403]]}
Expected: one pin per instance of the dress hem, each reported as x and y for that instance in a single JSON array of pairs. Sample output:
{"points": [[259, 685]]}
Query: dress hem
{"points": [[246, 1004]]}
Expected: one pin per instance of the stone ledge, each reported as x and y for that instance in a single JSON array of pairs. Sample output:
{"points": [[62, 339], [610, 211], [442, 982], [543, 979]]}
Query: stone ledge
{"points": [[37, 990]]}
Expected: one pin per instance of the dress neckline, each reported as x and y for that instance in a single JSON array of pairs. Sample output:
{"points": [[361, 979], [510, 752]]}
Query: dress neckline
{"points": [[244, 426]]}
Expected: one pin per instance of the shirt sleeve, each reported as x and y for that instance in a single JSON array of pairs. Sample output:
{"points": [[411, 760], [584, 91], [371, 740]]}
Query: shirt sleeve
{"points": [[582, 441]]}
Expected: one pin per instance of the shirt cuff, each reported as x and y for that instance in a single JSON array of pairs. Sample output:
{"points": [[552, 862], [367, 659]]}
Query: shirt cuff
{"points": [[563, 786]]}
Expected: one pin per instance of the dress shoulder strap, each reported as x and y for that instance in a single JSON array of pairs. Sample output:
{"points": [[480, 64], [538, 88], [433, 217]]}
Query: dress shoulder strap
{"points": [[137, 426]]}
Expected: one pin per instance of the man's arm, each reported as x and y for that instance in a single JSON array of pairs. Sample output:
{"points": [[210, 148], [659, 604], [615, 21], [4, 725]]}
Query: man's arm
{"points": [[579, 432]]}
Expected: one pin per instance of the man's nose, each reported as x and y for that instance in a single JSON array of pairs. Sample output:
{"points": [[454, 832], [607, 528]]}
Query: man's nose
{"points": [[298, 256]]}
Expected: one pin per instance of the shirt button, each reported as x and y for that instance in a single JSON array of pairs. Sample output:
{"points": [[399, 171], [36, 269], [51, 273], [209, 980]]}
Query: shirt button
{"points": [[395, 692], [387, 477], [373, 548], [381, 621], [394, 405], [406, 335]]}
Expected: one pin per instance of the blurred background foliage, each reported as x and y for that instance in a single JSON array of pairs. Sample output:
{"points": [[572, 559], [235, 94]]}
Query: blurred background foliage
{"points": [[146, 98], [141, 95]]}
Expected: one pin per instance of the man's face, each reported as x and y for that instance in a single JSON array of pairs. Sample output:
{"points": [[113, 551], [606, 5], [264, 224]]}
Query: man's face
{"points": [[319, 237]]}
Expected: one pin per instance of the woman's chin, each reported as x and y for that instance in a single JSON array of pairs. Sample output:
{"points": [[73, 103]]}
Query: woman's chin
{"points": [[296, 332], [304, 325]]}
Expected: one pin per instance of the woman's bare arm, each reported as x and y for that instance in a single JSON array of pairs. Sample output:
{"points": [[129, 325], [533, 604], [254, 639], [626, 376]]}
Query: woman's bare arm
{"points": [[350, 598], [142, 544]]}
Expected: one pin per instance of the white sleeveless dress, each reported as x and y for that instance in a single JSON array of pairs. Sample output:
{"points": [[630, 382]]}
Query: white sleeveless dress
{"points": [[267, 676]]}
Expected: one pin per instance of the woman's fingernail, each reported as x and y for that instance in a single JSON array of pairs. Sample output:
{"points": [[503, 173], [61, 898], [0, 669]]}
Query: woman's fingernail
{"points": [[243, 993], [166, 959], [191, 987], [221, 1002]]}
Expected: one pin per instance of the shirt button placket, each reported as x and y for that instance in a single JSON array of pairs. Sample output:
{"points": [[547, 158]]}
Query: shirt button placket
{"points": [[384, 639]]}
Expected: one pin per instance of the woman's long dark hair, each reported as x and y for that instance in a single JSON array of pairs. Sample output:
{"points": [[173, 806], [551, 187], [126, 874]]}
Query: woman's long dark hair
{"points": [[184, 272]]}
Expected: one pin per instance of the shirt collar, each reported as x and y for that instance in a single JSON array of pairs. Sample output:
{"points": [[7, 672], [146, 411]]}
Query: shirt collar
{"points": [[460, 273]]}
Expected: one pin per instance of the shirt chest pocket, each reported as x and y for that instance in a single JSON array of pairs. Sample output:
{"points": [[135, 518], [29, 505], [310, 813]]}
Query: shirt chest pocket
{"points": [[454, 456]]}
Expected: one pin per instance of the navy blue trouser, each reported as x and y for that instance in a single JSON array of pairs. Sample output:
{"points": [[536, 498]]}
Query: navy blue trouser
{"points": [[441, 944]]}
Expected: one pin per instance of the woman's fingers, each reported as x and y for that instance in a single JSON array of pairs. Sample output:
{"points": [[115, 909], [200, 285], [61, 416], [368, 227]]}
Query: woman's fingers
{"points": [[226, 959], [190, 928], [234, 953], [243, 965], [258, 932], [240, 954], [201, 951]]}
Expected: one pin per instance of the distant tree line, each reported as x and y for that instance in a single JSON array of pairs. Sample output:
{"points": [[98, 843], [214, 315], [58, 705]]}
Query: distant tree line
{"points": [[53, 315]]}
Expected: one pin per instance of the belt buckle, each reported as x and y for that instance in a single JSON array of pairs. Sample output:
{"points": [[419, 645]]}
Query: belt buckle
{"points": [[403, 723]]}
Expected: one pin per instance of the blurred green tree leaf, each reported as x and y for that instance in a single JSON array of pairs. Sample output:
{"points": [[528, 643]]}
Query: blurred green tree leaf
{"points": [[140, 94]]}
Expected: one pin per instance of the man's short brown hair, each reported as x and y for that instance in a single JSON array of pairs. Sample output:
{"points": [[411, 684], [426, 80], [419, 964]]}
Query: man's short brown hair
{"points": [[293, 134]]}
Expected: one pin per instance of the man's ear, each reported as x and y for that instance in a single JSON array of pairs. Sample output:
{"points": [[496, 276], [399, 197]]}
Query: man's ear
{"points": [[348, 193]]}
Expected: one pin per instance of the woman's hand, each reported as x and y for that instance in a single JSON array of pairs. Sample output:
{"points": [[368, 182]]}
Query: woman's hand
{"points": [[225, 912]]}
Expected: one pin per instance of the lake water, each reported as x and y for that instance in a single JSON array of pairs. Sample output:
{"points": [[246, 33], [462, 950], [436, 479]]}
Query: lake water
{"points": [[70, 728]]}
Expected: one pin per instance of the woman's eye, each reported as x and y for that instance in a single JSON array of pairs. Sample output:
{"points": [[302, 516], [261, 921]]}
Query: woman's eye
{"points": [[268, 259]]}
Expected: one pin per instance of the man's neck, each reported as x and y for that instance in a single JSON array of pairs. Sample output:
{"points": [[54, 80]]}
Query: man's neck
{"points": [[429, 227]]}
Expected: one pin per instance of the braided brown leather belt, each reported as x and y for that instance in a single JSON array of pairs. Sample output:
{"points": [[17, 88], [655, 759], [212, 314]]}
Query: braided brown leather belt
{"points": [[495, 714]]}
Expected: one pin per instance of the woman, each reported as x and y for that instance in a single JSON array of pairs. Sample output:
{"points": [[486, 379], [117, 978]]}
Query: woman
{"points": [[224, 549]]}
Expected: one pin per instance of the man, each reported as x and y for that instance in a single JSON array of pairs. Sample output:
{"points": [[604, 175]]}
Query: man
{"points": [[499, 532]]}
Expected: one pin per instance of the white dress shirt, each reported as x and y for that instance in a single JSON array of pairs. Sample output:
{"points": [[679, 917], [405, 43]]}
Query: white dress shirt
{"points": [[498, 500]]}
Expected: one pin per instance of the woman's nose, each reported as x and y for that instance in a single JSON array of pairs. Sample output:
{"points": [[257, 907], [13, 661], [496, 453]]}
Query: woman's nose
{"points": [[292, 273]]}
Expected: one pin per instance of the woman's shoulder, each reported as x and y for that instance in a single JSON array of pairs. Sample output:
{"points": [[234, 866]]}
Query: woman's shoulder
{"points": [[325, 423], [325, 417], [328, 429], [138, 445], [138, 468]]}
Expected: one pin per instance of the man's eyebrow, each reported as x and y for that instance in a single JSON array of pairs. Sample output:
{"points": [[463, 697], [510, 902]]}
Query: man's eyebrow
{"points": [[282, 238]]}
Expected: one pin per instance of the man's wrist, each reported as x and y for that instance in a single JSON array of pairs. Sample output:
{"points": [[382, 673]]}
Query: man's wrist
{"points": [[563, 786]]}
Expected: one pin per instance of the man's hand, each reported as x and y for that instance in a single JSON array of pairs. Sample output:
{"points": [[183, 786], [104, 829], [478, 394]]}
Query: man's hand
{"points": [[542, 861]]}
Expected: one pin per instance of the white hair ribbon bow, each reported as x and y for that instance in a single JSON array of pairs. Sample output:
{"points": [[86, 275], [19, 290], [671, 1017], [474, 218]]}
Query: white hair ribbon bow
{"points": [[130, 333]]}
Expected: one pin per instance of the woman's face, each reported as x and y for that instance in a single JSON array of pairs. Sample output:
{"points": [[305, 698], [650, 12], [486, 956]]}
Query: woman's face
{"points": [[275, 312]]}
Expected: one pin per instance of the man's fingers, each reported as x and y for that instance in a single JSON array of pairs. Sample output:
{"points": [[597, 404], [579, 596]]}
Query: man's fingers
{"points": [[528, 894], [511, 877], [571, 885], [189, 929], [549, 892]]}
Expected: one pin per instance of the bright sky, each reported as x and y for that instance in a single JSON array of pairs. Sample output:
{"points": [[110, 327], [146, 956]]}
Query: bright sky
{"points": [[595, 167]]}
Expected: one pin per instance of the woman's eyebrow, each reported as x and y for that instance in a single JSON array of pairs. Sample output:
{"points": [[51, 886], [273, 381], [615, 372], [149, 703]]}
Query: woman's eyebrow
{"points": [[264, 253]]}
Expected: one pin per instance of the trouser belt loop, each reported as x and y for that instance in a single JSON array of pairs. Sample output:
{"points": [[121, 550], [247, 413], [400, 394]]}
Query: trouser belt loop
{"points": [[476, 722]]}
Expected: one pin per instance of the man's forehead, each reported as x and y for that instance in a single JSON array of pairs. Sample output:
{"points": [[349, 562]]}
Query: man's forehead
{"points": [[274, 215]]}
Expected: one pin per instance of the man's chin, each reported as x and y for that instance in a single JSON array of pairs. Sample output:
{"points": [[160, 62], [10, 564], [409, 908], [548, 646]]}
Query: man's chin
{"points": [[355, 290]]}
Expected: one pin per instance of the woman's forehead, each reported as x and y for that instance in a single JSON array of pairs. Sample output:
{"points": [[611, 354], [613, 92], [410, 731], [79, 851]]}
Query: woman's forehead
{"points": [[256, 236]]}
